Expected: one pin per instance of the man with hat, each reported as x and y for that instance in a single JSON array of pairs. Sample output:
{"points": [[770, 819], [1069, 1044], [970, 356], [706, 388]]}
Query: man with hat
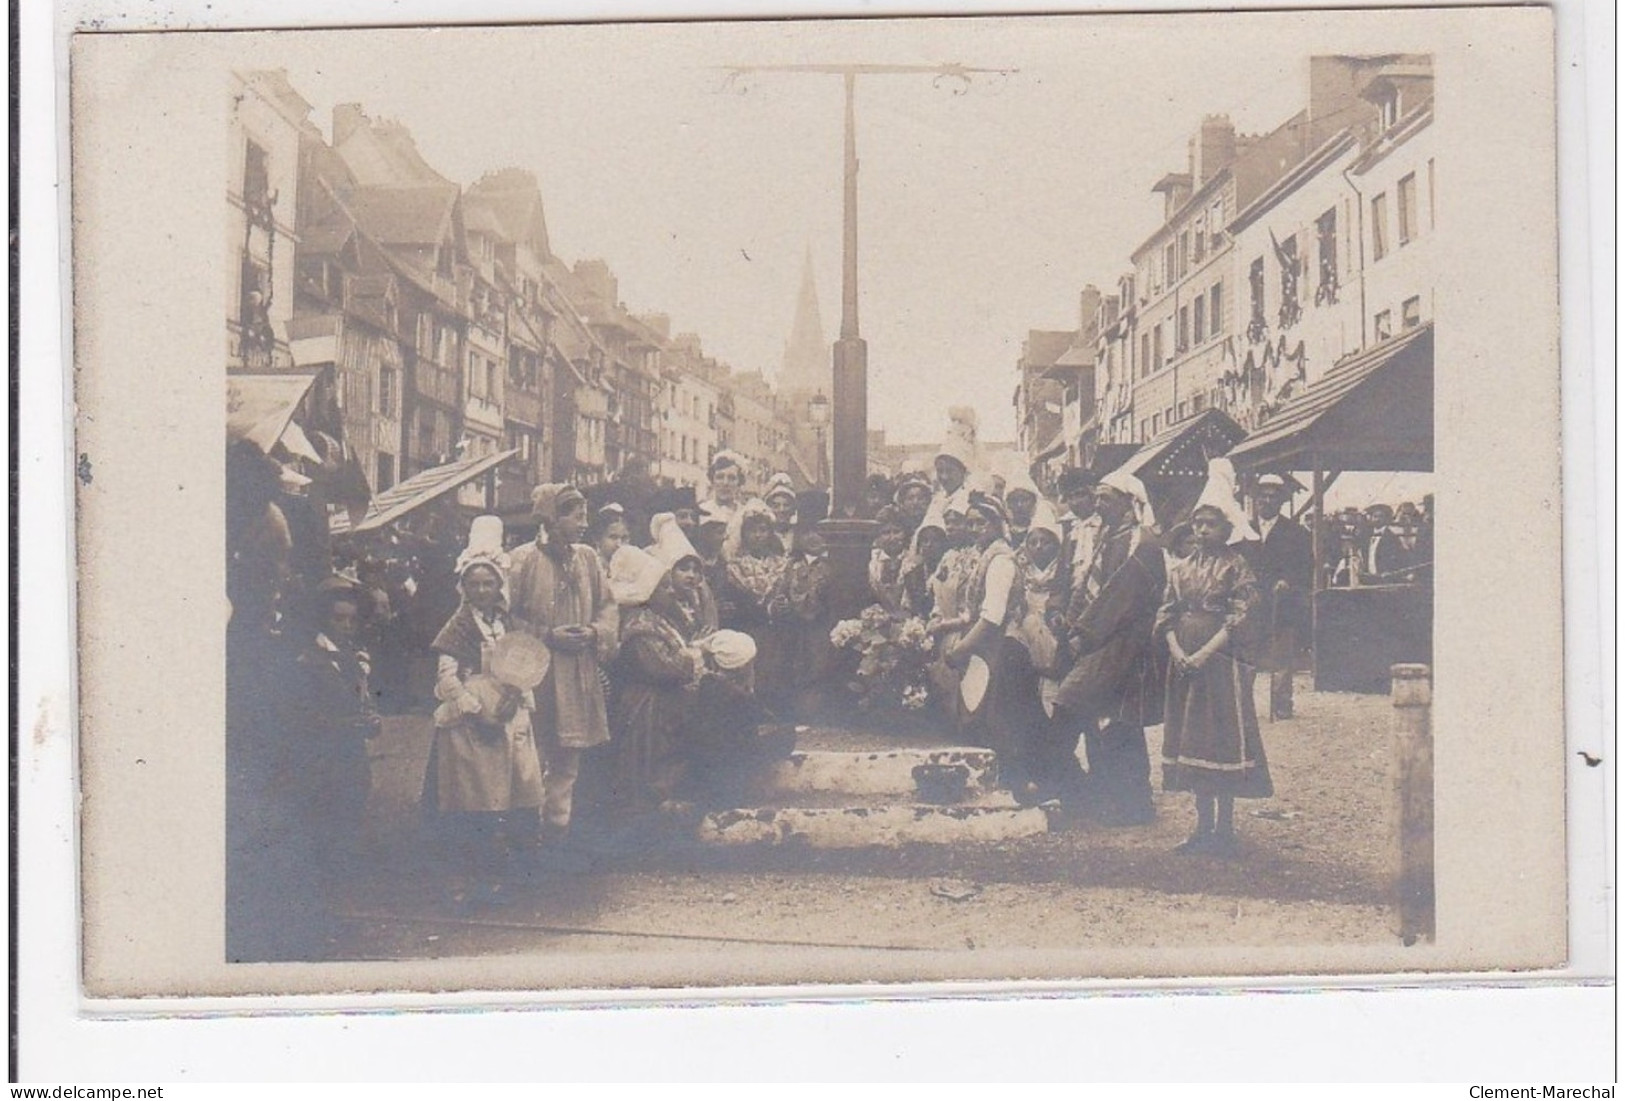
{"points": [[1080, 525], [1114, 689], [559, 591], [1283, 559]]}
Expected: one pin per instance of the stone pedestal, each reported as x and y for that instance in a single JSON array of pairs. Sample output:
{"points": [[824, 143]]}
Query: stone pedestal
{"points": [[849, 543]]}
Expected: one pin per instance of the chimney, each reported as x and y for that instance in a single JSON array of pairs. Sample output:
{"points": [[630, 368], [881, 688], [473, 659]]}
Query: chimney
{"points": [[1088, 306], [600, 283], [1214, 148], [347, 119], [1335, 82]]}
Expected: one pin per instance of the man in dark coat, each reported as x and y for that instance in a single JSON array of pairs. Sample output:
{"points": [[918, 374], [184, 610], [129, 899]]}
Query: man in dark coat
{"points": [[1114, 690], [1284, 561]]}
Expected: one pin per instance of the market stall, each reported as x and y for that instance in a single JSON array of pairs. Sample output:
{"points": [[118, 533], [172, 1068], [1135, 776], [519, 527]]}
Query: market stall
{"points": [[1173, 464], [419, 490], [1372, 411]]}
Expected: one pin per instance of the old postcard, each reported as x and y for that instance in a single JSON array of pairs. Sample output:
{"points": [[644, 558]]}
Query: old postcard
{"points": [[587, 508]]}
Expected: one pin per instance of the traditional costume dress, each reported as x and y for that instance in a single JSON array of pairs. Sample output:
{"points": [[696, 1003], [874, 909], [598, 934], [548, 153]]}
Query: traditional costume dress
{"points": [[988, 597], [757, 591], [1040, 754], [1210, 740], [918, 598], [564, 587]]}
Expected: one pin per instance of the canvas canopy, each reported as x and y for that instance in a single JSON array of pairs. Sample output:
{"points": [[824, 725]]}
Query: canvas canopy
{"points": [[417, 491]]}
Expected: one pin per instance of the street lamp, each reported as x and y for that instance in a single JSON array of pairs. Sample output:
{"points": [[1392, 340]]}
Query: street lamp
{"points": [[818, 417]]}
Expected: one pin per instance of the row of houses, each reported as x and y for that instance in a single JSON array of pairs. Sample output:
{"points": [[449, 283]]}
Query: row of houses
{"points": [[443, 326], [1278, 255]]}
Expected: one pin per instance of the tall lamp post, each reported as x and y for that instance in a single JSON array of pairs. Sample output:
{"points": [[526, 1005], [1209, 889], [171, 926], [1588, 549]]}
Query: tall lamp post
{"points": [[818, 417], [846, 532]]}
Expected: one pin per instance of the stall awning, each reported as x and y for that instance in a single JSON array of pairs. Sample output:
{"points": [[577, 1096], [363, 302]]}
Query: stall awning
{"points": [[1056, 446], [259, 407], [417, 491], [1184, 450], [1372, 410]]}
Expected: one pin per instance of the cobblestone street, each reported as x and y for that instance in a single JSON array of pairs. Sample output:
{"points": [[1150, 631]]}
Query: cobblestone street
{"points": [[1313, 871]]}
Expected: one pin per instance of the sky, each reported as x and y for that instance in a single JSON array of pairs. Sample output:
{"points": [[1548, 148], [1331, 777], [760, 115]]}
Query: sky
{"points": [[983, 211]]}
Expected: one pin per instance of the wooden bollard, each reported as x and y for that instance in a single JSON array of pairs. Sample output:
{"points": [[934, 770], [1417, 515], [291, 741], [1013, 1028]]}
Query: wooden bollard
{"points": [[1413, 787]]}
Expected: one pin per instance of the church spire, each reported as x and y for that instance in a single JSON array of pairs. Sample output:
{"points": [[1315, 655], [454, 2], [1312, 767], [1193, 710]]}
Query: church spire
{"points": [[806, 364]]}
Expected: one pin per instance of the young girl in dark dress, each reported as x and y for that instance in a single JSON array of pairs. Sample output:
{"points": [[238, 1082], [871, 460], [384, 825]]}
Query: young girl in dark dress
{"points": [[1211, 745]]}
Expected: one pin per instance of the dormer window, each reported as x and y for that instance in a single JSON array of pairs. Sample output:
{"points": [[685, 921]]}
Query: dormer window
{"points": [[1388, 107]]}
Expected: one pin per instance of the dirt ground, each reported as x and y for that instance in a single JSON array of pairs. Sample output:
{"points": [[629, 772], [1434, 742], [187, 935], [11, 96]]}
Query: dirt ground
{"points": [[1313, 870]]}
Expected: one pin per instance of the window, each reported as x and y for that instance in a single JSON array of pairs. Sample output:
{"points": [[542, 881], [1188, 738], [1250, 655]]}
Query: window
{"points": [[1145, 354], [1430, 193], [1384, 325], [1407, 208], [1215, 224], [1410, 313], [1156, 423], [386, 470], [1145, 430], [1170, 263], [1257, 327], [1184, 252], [1215, 312], [1198, 402], [1379, 226], [1199, 241], [1291, 271], [1199, 319], [1389, 106], [1156, 347], [386, 391], [1326, 238], [1183, 407], [491, 379], [257, 186], [1182, 339], [1168, 416]]}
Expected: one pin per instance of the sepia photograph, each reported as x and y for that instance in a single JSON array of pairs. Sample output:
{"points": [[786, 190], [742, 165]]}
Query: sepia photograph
{"points": [[821, 502]]}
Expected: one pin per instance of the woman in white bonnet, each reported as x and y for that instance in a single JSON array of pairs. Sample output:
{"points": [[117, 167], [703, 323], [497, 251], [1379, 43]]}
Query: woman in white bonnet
{"points": [[485, 777]]}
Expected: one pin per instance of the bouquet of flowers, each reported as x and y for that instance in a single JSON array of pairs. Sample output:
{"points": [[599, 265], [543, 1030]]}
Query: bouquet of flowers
{"points": [[893, 652]]}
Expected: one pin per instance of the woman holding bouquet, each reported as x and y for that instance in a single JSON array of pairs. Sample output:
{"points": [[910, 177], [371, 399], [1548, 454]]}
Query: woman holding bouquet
{"points": [[485, 777]]}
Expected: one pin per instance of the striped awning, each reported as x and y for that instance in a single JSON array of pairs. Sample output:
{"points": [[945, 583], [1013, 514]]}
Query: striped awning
{"points": [[417, 491], [1182, 452], [1372, 410], [259, 407]]}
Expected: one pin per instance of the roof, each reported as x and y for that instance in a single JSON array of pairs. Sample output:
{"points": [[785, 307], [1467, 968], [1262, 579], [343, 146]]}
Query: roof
{"points": [[418, 490], [1183, 451], [404, 215], [1372, 410], [1044, 346], [514, 201], [326, 239], [480, 218], [1078, 355]]}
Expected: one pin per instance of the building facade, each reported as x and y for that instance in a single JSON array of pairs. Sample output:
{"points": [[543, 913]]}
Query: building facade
{"points": [[268, 122]]}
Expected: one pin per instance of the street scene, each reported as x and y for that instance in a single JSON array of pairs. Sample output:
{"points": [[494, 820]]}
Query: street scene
{"points": [[1067, 587]]}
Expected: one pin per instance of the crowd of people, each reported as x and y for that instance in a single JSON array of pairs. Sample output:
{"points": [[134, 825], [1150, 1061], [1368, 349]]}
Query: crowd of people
{"points": [[630, 657]]}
